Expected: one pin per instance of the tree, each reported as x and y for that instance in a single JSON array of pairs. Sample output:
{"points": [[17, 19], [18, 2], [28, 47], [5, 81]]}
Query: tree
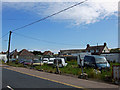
{"points": [[37, 53], [115, 50]]}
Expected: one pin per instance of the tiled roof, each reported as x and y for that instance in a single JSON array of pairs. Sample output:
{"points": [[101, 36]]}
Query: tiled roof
{"points": [[47, 53], [25, 52], [97, 49]]}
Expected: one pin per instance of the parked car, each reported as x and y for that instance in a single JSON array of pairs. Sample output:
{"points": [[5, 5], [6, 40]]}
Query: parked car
{"points": [[37, 63], [28, 62], [45, 60], [96, 61], [51, 61], [61, 62]]}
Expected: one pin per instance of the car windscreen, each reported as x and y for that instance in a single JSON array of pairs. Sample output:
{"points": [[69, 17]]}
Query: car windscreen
{"points": [[27, 61], [36, 61], [51, 60], [45, 60], [100, 60]]}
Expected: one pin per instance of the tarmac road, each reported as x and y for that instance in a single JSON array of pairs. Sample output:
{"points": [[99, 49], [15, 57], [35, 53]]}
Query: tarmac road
{"points": [[19, 80]]}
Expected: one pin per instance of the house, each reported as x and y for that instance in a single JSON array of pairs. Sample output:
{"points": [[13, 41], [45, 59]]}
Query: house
{"points": [[71, 51], [25, 55], [22, 55], [48, 53], [14, 54], [97, 50]]}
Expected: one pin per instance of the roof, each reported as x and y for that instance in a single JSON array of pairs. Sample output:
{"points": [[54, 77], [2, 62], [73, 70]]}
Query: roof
{"points": [[96, 47], [14, 52], [47, 53], [3, 52], [72, 51], [100, 48], [25, 52]]}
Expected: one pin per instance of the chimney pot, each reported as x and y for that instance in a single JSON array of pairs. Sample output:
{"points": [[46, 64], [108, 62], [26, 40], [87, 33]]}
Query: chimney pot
{"points": [[105, 44], [88, 45]]}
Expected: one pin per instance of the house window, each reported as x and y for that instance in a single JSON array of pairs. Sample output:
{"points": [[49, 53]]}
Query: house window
{"points": [[104, 51]]}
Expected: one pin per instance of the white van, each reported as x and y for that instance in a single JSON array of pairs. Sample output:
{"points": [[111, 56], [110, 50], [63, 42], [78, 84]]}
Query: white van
{"points": [[45, 60], [51, 61], [61, 62]]}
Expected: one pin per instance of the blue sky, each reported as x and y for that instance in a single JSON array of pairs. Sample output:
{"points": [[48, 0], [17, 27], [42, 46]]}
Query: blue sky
{"points": [[57, 33]]}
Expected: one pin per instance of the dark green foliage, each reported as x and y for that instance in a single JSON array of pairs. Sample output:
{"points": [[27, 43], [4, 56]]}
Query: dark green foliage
{"points": [[115, 50]]}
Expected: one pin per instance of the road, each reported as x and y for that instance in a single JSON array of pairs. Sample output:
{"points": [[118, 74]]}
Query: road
{"points": [[18, 80], [18, 77]]}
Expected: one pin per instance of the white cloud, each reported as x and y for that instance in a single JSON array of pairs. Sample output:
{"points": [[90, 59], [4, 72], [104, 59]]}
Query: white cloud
{"points": [[90, 12]]}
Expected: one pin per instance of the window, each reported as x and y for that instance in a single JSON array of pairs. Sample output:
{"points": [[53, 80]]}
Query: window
{"points": [[104, 51], [89, 59]]}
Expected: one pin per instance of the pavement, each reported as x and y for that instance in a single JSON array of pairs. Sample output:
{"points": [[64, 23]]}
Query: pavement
{"points": [[19, 77]]}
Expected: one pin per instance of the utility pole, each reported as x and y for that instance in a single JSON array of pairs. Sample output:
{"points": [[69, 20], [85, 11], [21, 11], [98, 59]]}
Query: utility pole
{"points": [[9, 46]]}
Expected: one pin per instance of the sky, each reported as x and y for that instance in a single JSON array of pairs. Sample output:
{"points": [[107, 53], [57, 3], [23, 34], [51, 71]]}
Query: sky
{"points": [[89, 23]]}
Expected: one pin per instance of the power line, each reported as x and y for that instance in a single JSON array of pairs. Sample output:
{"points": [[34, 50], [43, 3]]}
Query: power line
{"points": [[4, 35], [46, 41], [49, 16], [80, 19]]}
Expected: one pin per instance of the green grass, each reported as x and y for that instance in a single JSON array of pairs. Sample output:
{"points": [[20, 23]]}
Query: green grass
{"points": [[45, 67], [15, 64], [71, 68]]}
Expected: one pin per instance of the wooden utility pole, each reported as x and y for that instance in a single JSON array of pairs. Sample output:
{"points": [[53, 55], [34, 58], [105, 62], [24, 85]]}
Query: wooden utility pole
{"points": [[9, 46]]}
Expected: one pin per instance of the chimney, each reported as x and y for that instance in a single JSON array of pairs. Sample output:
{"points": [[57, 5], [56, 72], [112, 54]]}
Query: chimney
{"points": [[88, 45], [105, 44]]}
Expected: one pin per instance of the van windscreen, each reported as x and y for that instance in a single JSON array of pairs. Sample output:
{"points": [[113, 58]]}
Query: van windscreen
{"points": [[100, 60]]}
